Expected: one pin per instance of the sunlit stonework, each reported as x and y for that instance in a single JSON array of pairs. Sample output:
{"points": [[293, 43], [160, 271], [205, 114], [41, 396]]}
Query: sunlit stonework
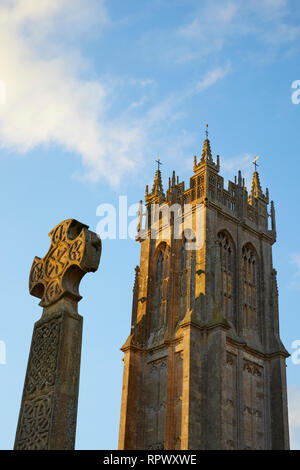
{"points": [[204, 366], [48, 413]]}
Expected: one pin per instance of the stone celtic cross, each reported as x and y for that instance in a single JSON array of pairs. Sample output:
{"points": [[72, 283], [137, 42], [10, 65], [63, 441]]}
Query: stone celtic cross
{"points": [[48, 411], [74, 251]]}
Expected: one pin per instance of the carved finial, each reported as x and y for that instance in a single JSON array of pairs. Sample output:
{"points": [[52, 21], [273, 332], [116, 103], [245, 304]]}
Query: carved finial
{"points": [[73, 252], [157, 192], [273, 219], [195, 164], [137, 273], [140, 216], [206, 157], [157, 188], [256, 190], [240, 178], [206, 152]]}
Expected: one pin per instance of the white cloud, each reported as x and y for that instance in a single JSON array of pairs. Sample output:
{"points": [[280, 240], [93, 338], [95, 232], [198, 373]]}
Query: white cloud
{"points": [[227, 13], [214, 17], [207, 31], [294, 416], [139, 103], [47, 100], [147, 82], [283, 33], [211, 77], [216, 24], [270, 8], [187, 57], [50, 100]]}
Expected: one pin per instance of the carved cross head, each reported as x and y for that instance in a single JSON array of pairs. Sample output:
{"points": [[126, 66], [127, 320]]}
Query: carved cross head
{"points": [[73, 252]]}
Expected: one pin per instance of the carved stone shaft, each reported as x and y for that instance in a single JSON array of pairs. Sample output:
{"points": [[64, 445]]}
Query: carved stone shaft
{"points": [[48, 411]]}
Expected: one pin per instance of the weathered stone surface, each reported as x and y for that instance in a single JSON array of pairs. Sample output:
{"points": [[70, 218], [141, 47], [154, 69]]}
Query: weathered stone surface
{"points": [[204, 366], [48, 411]]}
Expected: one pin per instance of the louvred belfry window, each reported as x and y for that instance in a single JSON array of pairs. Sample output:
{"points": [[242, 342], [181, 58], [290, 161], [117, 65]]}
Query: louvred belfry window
{"points": [[227, 272], [249, 261], [160, 287], [184, 262]]}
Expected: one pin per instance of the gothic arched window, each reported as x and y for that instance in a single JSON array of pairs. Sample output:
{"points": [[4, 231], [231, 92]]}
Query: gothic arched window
{"points": [[227, 271], [184, 255], [160, 287], [183, 276], [159, 267], [249, 260]]}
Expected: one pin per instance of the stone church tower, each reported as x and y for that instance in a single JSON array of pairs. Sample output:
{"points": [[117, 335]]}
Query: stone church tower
{"points": [[204, 366]]}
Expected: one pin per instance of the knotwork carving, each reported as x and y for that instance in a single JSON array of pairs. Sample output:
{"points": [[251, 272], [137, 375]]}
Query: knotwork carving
{"points": [[43, 357], [74, 251], [35, 423]]}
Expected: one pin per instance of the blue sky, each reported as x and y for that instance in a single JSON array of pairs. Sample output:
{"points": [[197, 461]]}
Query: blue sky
{"points": [[95, 90]]}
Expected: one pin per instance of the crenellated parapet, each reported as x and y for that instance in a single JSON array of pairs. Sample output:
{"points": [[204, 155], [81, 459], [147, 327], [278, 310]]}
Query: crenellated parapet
{"points": [[206, 186]]}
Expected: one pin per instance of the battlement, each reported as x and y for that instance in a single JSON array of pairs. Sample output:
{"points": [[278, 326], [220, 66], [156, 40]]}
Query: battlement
{"points": [[206, 186]]}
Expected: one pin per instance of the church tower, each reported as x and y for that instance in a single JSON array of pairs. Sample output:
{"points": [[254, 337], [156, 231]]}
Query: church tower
{"points": [[204, 366]]}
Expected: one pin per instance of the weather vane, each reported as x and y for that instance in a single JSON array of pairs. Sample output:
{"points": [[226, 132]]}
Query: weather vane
{"points": [[158, 162], [254, 163], [206, 131]]}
